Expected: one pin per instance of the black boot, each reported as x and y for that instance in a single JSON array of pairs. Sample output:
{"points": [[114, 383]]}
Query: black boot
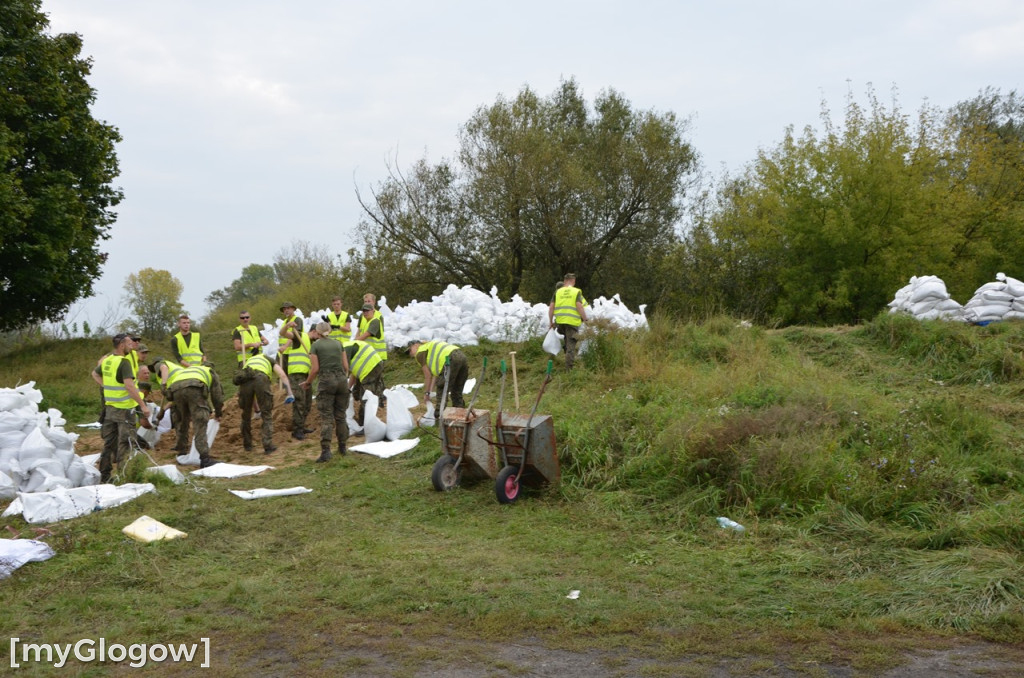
{"points": [[325, 452], [341, 449], [299, 434]]}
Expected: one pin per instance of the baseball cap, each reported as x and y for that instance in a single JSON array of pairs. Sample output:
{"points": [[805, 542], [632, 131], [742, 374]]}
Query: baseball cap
{"points": [[287, 304], [142, 348], [367, 307], [119, 337]]}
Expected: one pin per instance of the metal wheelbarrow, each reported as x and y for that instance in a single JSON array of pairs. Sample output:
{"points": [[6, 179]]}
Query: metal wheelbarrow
{"points": [[526, 446], [462, 452]]}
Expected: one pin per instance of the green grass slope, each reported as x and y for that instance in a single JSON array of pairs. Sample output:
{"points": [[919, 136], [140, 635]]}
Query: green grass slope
{"points": [[878, 471]]}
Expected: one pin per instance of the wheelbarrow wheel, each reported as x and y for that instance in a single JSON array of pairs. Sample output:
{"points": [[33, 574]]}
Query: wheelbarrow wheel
{"points": [[506, 486], [445, 476]]}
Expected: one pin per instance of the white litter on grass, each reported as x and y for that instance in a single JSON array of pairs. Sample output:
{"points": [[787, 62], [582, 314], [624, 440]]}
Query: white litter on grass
{"points": [[226, 470], [573, 595], [16, 552], [262, 492], [386, 449], [64, 504], [95, 424]]}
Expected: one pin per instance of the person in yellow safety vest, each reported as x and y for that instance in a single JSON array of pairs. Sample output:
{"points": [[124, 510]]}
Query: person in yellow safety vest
{"points": [[341, 327], [247, 338], [298, 364], [253, 382], [366, 374], [371, 330], [186, 345], [192, 388], [288, 320], [566, 312], [120, 396], [431, 356]]}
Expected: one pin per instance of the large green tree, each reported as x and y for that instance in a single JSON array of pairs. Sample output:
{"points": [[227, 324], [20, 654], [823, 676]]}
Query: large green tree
{"points": [[154, 295], [540, 187], [57, 163]]}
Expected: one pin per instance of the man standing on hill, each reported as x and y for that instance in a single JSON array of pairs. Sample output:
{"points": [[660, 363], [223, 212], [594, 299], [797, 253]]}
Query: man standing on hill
{"points": [[120, 396], [371, 328], [186, 345], [566, 312], [247, 338], [329, 361], [431, 356], [296, 352], [341, 328]]}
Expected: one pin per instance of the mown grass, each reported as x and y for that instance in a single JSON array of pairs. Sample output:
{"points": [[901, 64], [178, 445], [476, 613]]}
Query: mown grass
{"points": [[877, 470]]}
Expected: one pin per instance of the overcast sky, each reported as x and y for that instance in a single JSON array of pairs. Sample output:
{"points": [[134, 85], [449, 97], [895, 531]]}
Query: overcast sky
{"points": [[248, 125]]}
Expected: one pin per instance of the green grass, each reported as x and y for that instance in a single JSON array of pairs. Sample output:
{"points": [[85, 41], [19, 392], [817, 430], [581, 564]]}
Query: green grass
{"points": [[878, 471]]}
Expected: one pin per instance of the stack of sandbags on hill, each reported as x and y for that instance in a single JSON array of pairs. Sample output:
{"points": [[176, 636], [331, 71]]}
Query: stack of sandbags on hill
{"points": [[36, 454], [999, 300], [463, 316], [926, 298]]}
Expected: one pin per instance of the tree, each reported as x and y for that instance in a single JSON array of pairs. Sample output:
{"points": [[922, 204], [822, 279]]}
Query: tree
{"points": [[57, 166], [540, 187], [155, 297], [257, 281]]}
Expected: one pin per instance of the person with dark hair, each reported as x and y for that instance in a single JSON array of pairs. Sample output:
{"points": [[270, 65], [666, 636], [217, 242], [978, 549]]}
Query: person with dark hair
{"points": [[120, 395]]}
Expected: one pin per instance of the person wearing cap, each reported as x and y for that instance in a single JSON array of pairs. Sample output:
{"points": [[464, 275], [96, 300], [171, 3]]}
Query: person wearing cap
{"points": [[296, 350], [371, 327], [186, 345], [431, 356], [329, 362], [341, 327], [366, 373], [566, 312], [253, 383], [120, 395], [192, 388], [288, 319]]}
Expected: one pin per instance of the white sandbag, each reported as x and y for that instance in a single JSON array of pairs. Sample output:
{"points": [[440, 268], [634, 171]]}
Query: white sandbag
{"points": [[64, 504], [1014, 287], [262, 492], [923, 306], [75, 472], [8, 489], [373, 428], [12, 400], [997, 297], [225, 470], [929, 287], [16, 552], [1014, 315], [386, 448], [948, 305], [9, 421], [552, 342], [354, 429], [401, 395], [42, 480], [35, 446], [399, 421], [169, 471]]}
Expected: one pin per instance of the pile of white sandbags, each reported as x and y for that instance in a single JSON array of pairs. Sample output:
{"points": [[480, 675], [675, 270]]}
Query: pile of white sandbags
{"points": [[926, 298], [999, 300], [36, 453], [465, 315]]}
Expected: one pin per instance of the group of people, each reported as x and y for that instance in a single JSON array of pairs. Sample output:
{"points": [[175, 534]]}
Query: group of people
{"points": [[342, 364]]}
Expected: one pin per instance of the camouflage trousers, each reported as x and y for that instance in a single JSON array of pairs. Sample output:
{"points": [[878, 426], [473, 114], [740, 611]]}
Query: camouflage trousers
{"points": [[303, 400], [374, 383], [332, 403], [193, 407], [117, 429], [257, 389]]}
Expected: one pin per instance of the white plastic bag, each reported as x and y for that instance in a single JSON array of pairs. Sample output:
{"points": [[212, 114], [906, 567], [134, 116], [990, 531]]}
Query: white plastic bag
{"points": [[552, 342]]}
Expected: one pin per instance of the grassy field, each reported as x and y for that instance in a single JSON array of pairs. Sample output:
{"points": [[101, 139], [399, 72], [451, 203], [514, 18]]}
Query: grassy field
{"points": [[878, 471]]}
